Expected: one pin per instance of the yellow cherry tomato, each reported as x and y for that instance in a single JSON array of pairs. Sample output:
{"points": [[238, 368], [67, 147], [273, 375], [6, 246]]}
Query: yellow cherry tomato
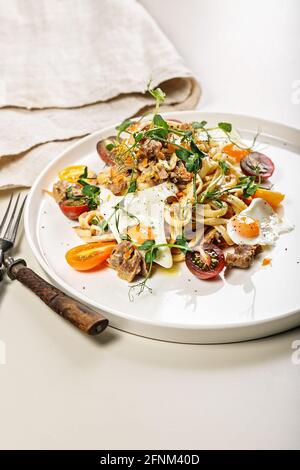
{"points": [[73, 173], [274, 198]]}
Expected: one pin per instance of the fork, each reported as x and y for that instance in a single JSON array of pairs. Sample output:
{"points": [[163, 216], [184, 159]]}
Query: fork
{"points": [[84, 318]]}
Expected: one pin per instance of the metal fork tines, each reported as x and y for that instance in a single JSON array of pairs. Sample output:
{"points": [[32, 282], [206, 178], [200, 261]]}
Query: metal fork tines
{"points": [[10, 224]]}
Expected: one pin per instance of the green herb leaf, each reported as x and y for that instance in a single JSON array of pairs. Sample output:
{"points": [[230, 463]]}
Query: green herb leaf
{"points": [[109, 147], [159, 121], [81, 179], [183, 154], [193, 164], [193, 161], [199, 125], [196, 150], [138, 136], [85, 173], [132, 187], [147, 245], [163, 128], [151, 255], [157, 93], [247, 183], [91, 192], [124, 125], [187, 135], [157, 134], [224, 167], [225, 126], [182, 241]]}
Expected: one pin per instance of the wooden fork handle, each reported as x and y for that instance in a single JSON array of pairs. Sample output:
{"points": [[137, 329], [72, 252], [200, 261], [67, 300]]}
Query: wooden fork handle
{"points": [[82, 317]]}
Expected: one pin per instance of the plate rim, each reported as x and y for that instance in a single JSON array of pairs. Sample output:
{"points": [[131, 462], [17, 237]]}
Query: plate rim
{"points": [[115, 312]]}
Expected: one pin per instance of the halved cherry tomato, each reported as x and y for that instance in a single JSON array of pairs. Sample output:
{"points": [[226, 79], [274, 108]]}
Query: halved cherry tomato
{"points": [[73, 209], [206, 263], [234, 151], [257, 164], [89, 256], [274, 198], [103, 153]]}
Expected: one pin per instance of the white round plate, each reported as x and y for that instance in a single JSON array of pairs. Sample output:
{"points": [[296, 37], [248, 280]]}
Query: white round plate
{"points": [[242, 305]]}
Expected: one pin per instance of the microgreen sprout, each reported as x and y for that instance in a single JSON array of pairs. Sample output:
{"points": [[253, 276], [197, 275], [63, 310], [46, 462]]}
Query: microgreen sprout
{"points": [[150, 249]]}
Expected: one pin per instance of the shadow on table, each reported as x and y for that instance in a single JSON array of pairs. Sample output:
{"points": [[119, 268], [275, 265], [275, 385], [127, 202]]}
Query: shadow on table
{"points": [[214, 356]]}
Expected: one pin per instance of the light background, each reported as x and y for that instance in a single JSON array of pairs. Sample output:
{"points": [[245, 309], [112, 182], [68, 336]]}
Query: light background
{"points": [[245, 53]]}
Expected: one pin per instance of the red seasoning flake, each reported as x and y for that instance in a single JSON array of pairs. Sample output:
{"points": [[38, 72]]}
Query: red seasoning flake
{"points": [[266, 261]]}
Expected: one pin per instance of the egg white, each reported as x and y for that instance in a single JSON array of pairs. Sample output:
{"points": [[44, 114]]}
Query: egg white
{"points": [[144, 207], [270, 224]]}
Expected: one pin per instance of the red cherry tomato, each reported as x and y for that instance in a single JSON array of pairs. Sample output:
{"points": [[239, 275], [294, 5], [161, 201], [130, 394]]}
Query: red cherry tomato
{"points": [[206, 263], [257, 164], [103, 152], [73, 209]]}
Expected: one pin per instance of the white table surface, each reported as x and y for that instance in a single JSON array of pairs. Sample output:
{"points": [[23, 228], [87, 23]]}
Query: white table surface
{"points": [[61, 389]]}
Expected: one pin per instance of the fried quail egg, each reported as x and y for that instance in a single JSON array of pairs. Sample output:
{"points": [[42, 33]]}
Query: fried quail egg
{"points": [[259, 224]]}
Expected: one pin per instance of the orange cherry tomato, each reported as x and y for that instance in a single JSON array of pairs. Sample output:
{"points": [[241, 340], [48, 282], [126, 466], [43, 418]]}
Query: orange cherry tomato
{"points": [[234, 151], [274, 198], [90, 255]]}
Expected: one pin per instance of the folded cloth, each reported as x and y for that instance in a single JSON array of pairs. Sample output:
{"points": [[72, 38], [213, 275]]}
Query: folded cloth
{"points": [[70, 67]]}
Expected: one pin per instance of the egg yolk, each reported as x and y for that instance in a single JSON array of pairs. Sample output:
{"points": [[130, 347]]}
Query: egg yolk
{"points": [[140, 233], [246, 226]]}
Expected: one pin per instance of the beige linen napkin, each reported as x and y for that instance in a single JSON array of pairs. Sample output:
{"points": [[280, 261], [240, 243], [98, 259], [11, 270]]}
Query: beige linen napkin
{"points": [[70, 67]]}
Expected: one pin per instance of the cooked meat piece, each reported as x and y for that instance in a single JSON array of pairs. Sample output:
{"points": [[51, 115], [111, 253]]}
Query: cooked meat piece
{"points": [[60, 190], [180, 174], [116, 181], [127, 261], [243, 256], [185, 126], [161, 172], [150, 148], [118, 187]]}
